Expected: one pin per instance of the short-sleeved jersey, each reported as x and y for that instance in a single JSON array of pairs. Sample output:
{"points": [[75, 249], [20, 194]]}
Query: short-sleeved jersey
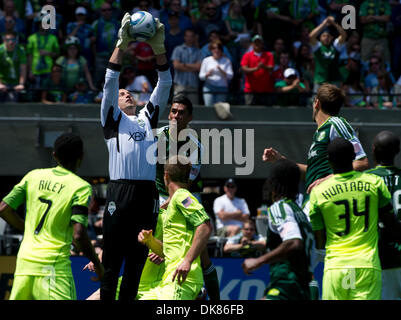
{"points": [[191, 147], [318, 164], [287, 221], [347, 205], [52, 196], [130, 139], [184, 214], [389, 251]]}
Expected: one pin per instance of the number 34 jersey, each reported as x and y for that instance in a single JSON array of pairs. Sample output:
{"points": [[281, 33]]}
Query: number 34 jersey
{"points": [[346, 206], [55, 198]]}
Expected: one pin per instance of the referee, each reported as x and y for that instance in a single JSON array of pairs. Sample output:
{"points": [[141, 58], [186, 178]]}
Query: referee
{"points": [[132, 197]]}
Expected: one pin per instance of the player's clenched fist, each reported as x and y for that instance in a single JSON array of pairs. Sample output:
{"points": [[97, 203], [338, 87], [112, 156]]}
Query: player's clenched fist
{"points": [[271, 155]]}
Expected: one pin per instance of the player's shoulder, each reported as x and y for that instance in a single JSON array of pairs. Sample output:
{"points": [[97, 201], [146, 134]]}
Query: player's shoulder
{"points": [[280, 209]]}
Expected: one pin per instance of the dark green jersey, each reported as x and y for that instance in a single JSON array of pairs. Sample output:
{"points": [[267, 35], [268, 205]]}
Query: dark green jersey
{"points": [[326, 62], [333, 127], [390, 252], [288, 221], [191, 147]]}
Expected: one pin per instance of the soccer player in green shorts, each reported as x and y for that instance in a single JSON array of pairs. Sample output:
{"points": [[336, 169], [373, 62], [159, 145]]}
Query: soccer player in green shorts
{"points": [[289, 238], [186, 229], [386, 145], [56, 215], [344, 213]]}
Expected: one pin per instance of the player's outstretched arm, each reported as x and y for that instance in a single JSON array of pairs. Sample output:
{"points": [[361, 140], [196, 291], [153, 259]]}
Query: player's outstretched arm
{"points": [[201, 236], [83, 244], [11, 217], [282, 252]]}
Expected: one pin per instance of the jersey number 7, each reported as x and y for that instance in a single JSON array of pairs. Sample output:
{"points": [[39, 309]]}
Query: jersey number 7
{"points": [[42, 221]]}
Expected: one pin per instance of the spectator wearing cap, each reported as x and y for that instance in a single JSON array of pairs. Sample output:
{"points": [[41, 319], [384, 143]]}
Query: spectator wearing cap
{"points": [[230, 212], [187, 60], [257, 65], [327, 52], [216, 71], [374, 16], [174, 36], [84, 32], [74, 65], [81, 93], [289, 89], [211, 21]]}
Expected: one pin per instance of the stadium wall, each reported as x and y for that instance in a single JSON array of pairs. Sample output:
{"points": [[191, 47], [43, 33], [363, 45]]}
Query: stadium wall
{"points": [[29, 130]]}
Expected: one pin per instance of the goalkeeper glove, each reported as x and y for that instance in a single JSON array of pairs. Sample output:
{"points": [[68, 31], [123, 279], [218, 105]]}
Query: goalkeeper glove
{"points": [[123, 36], [157, 41]]}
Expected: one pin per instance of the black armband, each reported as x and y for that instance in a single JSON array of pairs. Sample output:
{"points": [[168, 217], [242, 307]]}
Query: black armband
{"points": [[163, 67], [82, 210], [114, 66]]}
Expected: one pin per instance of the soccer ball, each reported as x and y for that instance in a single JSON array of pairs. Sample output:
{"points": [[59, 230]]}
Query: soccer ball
{"points": [[142, 26]]}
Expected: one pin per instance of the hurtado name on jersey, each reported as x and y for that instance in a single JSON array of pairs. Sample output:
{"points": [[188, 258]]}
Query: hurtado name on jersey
{"points": [[345, 187]]}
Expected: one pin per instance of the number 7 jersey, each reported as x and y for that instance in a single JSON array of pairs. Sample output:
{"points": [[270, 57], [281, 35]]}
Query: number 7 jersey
{"points": [[347, 207], [55, 199]]}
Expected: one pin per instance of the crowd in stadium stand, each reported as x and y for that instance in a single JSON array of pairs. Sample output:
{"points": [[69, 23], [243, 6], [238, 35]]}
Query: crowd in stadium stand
{"points": [[243, 52]]}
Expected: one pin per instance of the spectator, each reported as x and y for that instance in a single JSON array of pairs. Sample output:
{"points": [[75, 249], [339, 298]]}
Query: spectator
{"points": [[10, 23], [187, 60], [303, 13], [13, 68], [257, 65], [230, 211], [175, 6], [146, 62], [74, 65], [290, 88], [9, 10], [284, 63], [58, 30], [305, 65], [326, 53], [146, 5], [274, 15], [81, 95], [355, 95], [215, 37], [396, 40], [371, 81], [353, 64], [217, 72], [278, 47], [42, 48], [335, 7], [138, 85], [382, 95], [116, 13], [84, 32], [248, 11], [105, 32], [374, 16], [247, 243], [236, 26], [54, 92], [210, 22], [175, 36], [303, 39]]}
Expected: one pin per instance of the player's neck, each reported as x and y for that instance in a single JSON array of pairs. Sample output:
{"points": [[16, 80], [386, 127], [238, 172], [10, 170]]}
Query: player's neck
{"points": [[321, 118], [173, 187]]}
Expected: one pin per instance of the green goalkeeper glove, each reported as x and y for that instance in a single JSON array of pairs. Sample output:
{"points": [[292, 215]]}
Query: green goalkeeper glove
{"points": [[157, 41], [123, 36]]}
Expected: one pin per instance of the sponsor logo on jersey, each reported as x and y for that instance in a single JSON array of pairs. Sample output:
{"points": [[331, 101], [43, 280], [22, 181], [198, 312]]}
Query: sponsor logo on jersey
{"points": [[111, 207], [321, 136], [137, 136]]}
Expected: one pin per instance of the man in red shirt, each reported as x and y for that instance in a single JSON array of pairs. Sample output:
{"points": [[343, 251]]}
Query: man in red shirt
{"points": [[146, 62], [257, 66]]}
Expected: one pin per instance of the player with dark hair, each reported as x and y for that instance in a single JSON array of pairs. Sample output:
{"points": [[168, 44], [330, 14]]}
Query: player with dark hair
{"points": [[132, 198], [386, 146], [56, 215], [170, 141], [186, 229], [344, 213], [289, 238]]}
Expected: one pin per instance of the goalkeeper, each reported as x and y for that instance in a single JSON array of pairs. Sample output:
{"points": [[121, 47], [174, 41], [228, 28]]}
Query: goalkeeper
{"points": [[132, 197]]}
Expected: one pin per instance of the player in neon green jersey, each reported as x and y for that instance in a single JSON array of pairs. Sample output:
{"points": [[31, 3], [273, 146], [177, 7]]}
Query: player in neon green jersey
{"points": [[186, 229], [289, 238], [344, 212], [56, 215], [386, 145]]}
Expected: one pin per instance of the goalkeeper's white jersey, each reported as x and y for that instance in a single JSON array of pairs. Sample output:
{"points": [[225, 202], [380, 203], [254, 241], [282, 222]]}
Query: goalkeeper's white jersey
{"points": [[128, 138]]}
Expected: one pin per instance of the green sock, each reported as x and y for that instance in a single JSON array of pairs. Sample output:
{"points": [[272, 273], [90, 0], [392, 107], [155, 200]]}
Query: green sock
{"points": [[211, 282]]}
